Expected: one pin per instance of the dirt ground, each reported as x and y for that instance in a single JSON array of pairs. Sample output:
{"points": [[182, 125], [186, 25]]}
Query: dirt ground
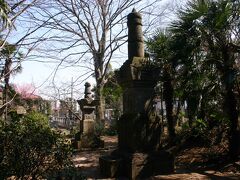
{"points": [[189, 164], [87, 161]]}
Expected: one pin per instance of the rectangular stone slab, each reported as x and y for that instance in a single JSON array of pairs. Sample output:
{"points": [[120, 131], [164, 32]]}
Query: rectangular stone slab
{"points": [[142, 165], [110, 166]]}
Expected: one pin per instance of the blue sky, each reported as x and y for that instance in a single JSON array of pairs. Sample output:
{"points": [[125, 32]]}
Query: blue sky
{"points": [[41, 74]]}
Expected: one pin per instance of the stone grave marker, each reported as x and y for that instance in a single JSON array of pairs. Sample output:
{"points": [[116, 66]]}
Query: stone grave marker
{"points": [[139, 152], [85, 138]]}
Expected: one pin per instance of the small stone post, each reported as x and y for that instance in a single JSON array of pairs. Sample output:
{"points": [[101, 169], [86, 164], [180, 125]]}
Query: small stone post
{"points": [[88, 105]]}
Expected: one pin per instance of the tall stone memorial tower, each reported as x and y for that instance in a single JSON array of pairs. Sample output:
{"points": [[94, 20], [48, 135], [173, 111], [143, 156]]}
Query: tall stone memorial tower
{"points": [[139, 152]]}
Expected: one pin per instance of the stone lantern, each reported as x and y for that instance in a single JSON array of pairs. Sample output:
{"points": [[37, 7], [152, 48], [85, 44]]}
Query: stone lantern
{"points": [[86, 137]]}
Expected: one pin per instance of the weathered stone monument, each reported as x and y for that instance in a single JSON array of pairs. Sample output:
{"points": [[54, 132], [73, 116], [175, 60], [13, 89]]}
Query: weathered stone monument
{"points": [[139, 152], [85, 138]]}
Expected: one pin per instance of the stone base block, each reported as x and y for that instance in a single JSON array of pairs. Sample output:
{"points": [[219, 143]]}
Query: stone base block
{"points": [[76, 144], [87, 141], [137, 165], [110, 166], [88, 126], [138, 132], [142, 165], [91, 141]]}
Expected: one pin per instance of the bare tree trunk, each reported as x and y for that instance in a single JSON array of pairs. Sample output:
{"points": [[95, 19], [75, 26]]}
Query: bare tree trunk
{"points": [[234, 138], [162, 110], [176, 119], [6, 75], [230, 103], [168, 96], [190, 114], [101, 107], [100, 76]]}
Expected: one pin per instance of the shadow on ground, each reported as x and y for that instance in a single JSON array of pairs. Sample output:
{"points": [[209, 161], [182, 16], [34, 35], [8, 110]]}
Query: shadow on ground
{"points": [[188, 164], [87, 161]]}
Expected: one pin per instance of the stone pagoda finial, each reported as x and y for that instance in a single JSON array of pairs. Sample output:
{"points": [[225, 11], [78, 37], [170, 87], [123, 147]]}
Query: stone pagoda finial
{"points": [[87, 92], [135, 35]]}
